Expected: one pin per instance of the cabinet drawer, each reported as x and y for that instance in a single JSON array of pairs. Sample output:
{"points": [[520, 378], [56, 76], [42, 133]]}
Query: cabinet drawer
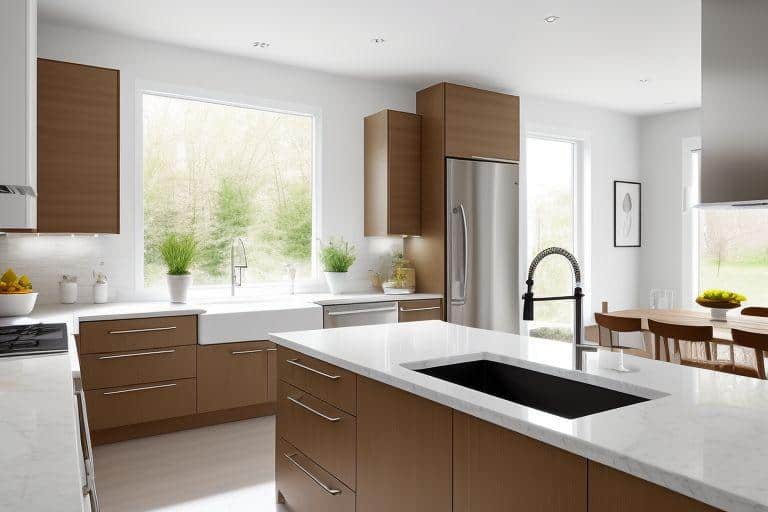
{"points": [[129, 405], [325, 381], [137, 367], [306, 487], [232, 375], [322, 432], [415, 310], [136, 334]]}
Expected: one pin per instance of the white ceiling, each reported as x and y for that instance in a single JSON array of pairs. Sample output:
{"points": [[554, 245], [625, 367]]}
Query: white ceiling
{"points": [[596, 54]]}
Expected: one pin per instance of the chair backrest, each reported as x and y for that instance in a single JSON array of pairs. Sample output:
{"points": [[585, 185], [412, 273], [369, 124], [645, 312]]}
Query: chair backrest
{"points": [[664, 332], [756, 341], [681, 332], [755, 311], [615, 324]]}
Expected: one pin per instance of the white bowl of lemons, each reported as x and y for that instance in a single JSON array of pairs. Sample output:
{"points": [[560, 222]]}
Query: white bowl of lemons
{"points": [[17, 298]]}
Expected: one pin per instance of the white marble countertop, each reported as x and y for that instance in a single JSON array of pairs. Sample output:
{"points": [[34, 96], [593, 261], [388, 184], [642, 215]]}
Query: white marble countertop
{"points": [[703, 434], [39, 435]]}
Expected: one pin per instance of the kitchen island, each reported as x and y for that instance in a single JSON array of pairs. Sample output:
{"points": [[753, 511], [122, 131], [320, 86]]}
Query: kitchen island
{"points": [[370, 429]]}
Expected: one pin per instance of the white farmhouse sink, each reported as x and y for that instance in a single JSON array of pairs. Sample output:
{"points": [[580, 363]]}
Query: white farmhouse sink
{"points": [[233, 321]]}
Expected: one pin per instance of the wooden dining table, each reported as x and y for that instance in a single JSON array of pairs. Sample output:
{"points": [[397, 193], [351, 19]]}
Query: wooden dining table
{"points": [[721, 329]]}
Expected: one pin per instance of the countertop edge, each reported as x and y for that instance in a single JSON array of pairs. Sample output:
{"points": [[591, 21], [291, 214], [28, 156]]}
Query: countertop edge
{"points": [[694, 489]]}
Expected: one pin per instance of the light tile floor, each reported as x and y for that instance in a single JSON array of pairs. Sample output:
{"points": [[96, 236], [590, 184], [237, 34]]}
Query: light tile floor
{"points": [[228, 468]]}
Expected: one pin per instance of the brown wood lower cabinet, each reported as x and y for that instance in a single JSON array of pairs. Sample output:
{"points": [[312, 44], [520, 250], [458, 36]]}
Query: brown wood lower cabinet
{"points": [[415, 455], [232, 375], [137, 366], [326, 434], [127, 405], [498, 469], [403, 451], [417, 310], [306, 487], [614, 491]]}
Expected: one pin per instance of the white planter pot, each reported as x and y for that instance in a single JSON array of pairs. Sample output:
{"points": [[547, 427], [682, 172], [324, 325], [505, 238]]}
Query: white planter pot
{"points": [[337, 281], [178, 287]]}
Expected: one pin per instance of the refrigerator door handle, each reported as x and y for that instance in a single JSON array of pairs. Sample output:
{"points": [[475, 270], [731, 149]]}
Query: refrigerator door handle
{"points": [[462, 213]]}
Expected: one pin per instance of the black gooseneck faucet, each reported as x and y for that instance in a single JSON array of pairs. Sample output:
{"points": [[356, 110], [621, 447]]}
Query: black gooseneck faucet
{"points": [[578, 322]]}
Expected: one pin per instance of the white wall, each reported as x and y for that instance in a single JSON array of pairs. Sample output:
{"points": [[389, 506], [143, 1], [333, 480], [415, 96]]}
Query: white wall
{"points": [[611, 141], [661, 164], [343, 103]]}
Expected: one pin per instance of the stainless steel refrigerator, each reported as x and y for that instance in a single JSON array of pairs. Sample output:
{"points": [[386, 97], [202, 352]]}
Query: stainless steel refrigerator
{"points": [[482, 210]]}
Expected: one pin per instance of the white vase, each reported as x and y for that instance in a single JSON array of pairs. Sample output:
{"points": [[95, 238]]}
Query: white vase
{"points": [[178, 287], [337, 281]]}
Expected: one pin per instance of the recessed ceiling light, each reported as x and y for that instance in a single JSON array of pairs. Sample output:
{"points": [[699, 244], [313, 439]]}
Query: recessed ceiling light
{"points": [[260, 44], [552, 19], [378, 40]]}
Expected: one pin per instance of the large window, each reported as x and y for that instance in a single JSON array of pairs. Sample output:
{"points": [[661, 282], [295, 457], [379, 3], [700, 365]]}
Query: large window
{"points": [[219, 172], [551, 221], [730, 246]]}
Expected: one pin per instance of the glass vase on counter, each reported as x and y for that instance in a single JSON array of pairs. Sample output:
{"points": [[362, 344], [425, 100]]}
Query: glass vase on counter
{"points": [[403, 279]]}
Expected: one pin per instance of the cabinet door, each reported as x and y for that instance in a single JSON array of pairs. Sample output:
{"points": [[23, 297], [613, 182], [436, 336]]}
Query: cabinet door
{"points": [[392, 174], [404, 171], [78, 148], [403, 451], [481, 123], [614, 491], [498, 469], [416, 310], [231, 375]]}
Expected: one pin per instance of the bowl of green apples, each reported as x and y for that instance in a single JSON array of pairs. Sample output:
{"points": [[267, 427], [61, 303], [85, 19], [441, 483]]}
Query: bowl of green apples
{"points": [[719, 302]]}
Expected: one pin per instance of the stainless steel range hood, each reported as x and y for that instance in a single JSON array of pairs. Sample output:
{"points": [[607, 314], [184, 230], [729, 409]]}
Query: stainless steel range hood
{"points": [[734, 66]]}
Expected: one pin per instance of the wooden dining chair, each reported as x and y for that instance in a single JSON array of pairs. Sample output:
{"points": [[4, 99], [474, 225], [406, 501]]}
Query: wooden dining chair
{"points": [[759, 343], [616, 325], [755, 311], [664, 333]]}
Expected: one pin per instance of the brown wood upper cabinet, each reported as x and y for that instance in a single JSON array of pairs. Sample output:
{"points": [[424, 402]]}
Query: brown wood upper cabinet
{"points": [[78, 148], [392, 174], [481, 124]]}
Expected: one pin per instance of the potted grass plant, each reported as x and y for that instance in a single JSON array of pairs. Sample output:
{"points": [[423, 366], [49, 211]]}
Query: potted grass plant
{"points": [[178, 253], [336, 257]]}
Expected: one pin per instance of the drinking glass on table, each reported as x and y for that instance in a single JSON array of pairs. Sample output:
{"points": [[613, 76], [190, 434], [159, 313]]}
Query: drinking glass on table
{"points": [[662, 298]]}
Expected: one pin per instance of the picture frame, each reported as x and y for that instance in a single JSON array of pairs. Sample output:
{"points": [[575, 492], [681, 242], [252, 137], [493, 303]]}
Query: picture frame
{"points": [[627, 214]]}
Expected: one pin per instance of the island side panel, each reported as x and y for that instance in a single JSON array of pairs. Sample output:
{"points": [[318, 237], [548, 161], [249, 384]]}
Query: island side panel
{"points": [[614, 491], [404, 451], [498, 469]]}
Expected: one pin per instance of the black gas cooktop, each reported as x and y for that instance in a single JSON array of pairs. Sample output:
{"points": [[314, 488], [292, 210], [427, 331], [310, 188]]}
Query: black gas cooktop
{"points": [[19, 340]]}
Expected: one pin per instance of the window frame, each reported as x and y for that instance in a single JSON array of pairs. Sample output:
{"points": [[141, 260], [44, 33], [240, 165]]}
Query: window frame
{"points": [[690, 279], [581, 198], [228, 99]]}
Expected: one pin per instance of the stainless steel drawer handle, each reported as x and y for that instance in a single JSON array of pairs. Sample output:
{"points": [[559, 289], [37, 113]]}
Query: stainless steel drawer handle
{"points": [[295, 362], [408, 310], [313, 411], [149, 329], [154, 352], [329, 490], [145, 388], [271, 350], [240, 352], [361, 311]]}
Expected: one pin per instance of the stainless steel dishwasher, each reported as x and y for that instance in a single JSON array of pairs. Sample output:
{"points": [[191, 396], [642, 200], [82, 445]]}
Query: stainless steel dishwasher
{"points": [[370, 313]]}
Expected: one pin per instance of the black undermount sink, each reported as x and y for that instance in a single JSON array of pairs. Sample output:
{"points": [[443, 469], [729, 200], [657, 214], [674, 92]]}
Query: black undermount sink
{"points": [[555, 395]]}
